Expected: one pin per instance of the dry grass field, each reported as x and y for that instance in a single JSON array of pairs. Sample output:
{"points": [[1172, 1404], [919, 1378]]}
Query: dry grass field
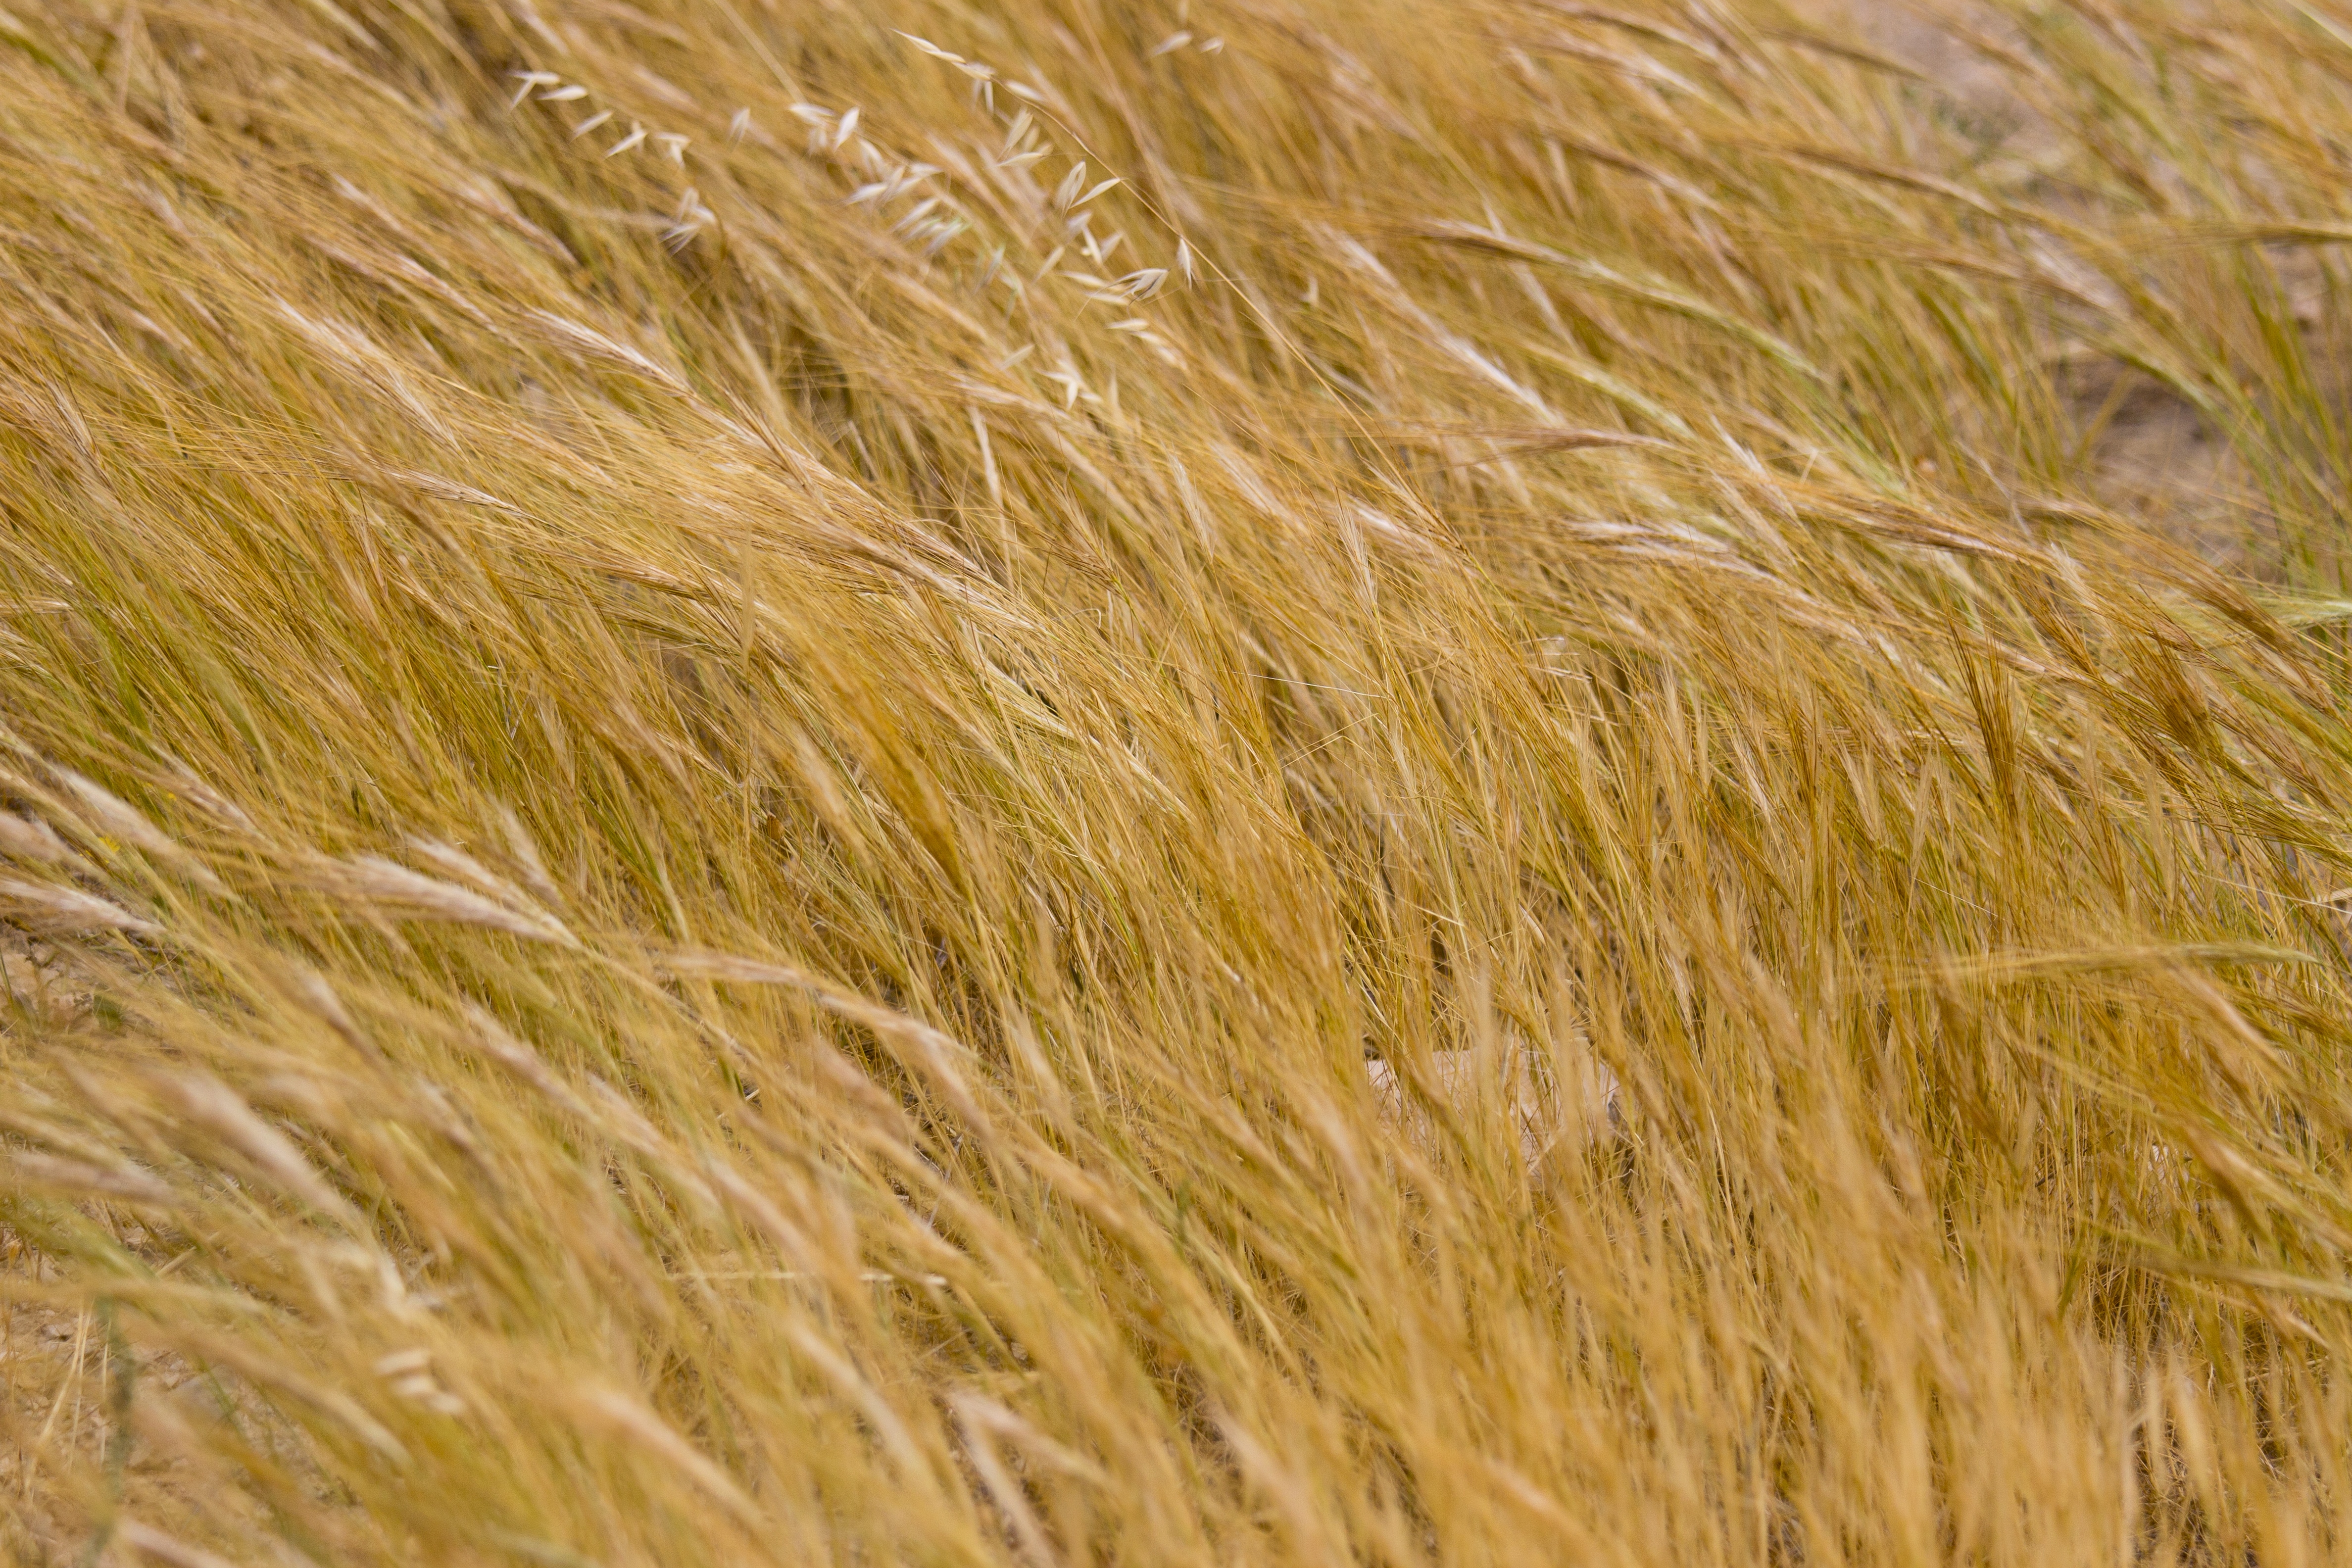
{"points": [[1186, 782]]}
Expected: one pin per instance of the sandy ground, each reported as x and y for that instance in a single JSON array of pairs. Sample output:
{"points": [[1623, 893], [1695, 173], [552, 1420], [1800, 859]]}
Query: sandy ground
{"points": [[2157, 458]]}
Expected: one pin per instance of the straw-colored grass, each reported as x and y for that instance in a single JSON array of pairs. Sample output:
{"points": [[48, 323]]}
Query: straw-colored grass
{"points": [[1052, 783]]}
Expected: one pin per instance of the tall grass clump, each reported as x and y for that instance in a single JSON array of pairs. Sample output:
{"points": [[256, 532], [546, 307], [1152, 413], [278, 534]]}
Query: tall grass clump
{"points": [[1194, 782]]}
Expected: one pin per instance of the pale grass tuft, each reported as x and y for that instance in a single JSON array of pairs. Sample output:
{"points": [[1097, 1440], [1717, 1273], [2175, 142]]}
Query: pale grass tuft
{"points": [[71, 910], [386, 884]]}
